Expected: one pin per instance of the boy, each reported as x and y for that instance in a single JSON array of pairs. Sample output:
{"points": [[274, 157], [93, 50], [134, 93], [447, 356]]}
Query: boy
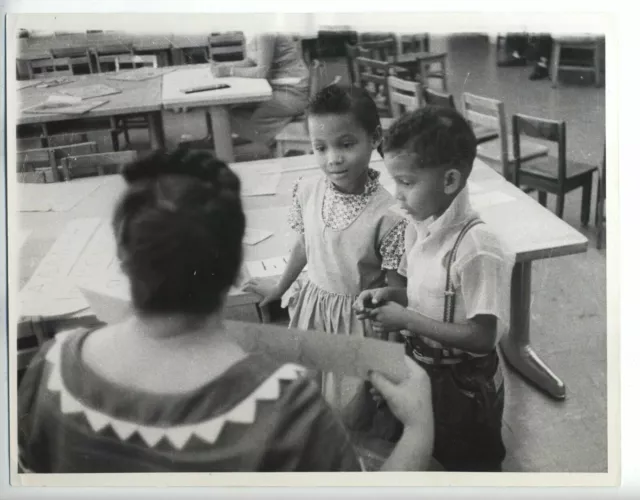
{"points": [[456, 303]]}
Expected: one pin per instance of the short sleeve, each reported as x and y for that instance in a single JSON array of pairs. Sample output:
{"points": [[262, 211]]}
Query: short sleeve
{"points": [[308, 436], [296, 221], [392, 247], [485, 281], [409, 240]]}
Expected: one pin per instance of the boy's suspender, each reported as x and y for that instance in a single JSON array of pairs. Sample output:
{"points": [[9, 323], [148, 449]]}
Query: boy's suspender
{"points": [[420, 349], [450, 292]]}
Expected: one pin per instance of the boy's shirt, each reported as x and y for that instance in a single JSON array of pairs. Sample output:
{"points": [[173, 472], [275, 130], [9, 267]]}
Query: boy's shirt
{"points": [[481, 271]]}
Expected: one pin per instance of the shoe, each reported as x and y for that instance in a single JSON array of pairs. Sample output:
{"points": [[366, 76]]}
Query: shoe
{"points": [[539, 73], [512, 62]]}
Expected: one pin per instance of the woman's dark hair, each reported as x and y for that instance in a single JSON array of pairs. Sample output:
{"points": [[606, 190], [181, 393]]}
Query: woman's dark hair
{"points": [[179, 229], [341, 100], [437, 135]]}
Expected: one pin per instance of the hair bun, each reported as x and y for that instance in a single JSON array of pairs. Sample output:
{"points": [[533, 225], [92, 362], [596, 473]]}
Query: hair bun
{"points": [[199, 164]]}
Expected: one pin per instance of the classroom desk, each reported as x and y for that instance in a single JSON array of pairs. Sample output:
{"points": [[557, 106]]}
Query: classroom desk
{"points": [[217, 102], [137, 97], [529, 230]]}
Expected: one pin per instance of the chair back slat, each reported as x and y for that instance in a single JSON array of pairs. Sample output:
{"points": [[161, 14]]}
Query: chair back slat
{"points": [[539, 128], [482, 119], [100, 163], [381, 50], [132, 61], [404, 96]]}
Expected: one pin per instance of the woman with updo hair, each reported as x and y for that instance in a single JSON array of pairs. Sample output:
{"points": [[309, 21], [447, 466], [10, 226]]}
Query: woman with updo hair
{"points": [[168, 389]]}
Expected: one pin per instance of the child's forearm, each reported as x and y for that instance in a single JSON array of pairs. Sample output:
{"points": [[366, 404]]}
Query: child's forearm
{"points": [[413, 451], [397, 294], [295, 265], [470, 337]]}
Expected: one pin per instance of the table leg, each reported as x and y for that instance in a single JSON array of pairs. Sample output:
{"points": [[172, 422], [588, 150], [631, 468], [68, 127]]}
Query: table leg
{"points": [[156, 130], [515, 346], [222, 133]]}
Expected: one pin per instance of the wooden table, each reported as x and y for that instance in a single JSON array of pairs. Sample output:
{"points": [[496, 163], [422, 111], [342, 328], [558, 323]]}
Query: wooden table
{"points": [[217, 102], [529, 230], [139, 97]]}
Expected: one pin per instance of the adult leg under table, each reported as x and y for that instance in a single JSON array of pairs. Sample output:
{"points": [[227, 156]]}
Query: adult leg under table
{"points": [[516, 347]]}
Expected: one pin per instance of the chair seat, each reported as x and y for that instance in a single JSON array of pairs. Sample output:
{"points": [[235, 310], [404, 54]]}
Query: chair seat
{"points": [[528, 150], [549, 169], [484, 134]]}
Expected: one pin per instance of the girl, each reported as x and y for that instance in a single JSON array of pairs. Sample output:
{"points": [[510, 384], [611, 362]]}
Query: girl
{"points": [[168, 390], [347, 237]]}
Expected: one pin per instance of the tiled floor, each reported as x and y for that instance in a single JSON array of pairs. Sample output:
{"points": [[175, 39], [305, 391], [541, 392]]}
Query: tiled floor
{"points": [[568, 323]]}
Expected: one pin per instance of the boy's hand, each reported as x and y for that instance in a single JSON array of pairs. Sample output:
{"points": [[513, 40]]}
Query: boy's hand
{"points": [[269, 291], [368, 300], [390, 316]]}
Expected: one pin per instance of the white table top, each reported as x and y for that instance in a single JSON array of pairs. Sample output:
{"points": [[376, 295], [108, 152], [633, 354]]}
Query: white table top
{"points": [[526, 227], [242, 90]]}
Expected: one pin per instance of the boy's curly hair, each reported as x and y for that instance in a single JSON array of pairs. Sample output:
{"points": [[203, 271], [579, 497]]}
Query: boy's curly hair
{"points": [[438, 136]]}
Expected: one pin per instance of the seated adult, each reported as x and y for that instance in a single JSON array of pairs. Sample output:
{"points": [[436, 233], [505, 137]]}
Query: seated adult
{"points": [[169, 390], [277, 58]]}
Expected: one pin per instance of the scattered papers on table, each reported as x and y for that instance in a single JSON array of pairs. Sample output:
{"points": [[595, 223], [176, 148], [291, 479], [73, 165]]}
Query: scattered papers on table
{"points": [[255, 236], [53, 82], [24, 84], [49, 292], [23, 236], [67, 105], [90, 91], [55, 197], [268, 267], [254, 184], [140, 74], [489, 198]]}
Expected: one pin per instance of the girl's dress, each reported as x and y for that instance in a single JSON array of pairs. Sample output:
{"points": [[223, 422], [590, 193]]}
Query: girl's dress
{"points": [[257, 416], [350, 241]]}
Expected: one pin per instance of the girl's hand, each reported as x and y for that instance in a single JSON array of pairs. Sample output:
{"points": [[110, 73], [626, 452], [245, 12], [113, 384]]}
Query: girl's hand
{"points": [[269, 291], [410, 400], [369, 299], [219, 70], [390, 316]]}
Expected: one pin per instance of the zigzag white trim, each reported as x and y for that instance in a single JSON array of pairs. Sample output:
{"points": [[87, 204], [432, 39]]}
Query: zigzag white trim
{"points": [[208, 431]]}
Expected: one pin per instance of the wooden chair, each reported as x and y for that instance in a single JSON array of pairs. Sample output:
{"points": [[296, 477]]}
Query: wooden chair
{"points": [[435, 98], [426, 61], [487, 118], [226, 46], [417, 42], [601, 197], [105, 55], [545, 176], [133, 61], [100, 163], [380, 50], [294, 136], [49, 68], [77, 56], [404, 96], [372, 75], [45, 160], [590, 43]]}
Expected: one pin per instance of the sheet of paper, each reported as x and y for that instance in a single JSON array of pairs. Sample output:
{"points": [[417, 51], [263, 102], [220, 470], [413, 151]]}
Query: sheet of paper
{"points": [[50, 292], [489, 198], [256, 184], [89, 91], [267, 267], [140, 74], [56, 197], [60, 105], [255, 236], [23, 236], [343, 354]]}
